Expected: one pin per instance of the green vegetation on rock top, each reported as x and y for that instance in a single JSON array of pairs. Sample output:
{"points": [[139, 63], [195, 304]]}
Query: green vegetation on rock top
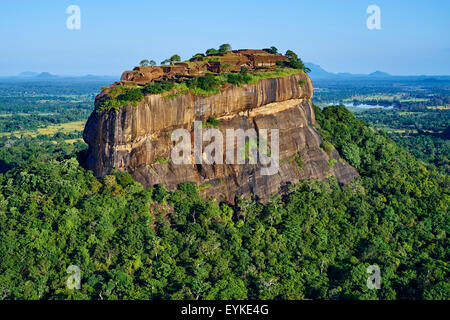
{"points": [[206, 85], [120, 96]]}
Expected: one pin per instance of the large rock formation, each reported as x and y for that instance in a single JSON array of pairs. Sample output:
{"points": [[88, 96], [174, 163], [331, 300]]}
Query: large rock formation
{"points": [[137, 139]]}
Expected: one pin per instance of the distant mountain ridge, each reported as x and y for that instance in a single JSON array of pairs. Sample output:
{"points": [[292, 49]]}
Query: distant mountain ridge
{"points": [[47, 76], [318, 73], [379, 74], [28, 74]]}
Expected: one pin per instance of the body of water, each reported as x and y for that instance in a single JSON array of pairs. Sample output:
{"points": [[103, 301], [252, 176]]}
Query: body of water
{"points": [[366, 106]]}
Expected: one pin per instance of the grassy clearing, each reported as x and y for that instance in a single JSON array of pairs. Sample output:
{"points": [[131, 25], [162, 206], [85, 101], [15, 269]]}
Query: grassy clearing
{"points": [[72, 141], [50, 130], [439, 108], [276, 73], [253, 78]]}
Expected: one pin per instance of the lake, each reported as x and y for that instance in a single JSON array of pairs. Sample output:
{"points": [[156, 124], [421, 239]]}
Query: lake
{"points": [[366, 106]]}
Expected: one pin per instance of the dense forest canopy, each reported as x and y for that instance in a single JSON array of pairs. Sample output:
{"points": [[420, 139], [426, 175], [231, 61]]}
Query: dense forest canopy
{"points": [[316, 241], [425, 133]]}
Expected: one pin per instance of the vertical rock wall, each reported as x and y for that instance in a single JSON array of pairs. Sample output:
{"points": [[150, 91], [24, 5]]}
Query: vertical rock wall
{"points": [[138, 139]]}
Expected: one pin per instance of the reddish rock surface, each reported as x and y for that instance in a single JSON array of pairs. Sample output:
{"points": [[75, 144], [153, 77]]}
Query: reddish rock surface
{"points": [[229, 61]]}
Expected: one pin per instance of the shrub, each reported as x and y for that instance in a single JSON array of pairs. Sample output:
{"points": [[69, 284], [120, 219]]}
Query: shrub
{"points": [[331, 162], [115, 92], [159, 193], [124, 179], [226, 67], [119, 97], [198, 55], [211, 51], [162, 160], [272, 50], [158, 87], [131, 95], [238, 78], [296, 64], [189, 188], [350, 151], [211, 122], [207, 83], [298, 160], [327, 147]]}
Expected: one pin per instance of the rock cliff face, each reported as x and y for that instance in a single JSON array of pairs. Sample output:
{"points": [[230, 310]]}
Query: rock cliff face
{"points": [[137, 139]]}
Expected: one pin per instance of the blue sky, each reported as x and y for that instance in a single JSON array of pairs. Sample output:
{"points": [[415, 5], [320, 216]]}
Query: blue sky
{"points": [[115, 35]]}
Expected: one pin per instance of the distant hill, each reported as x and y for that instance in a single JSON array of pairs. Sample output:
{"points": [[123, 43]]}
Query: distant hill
{"points": [[28, 74], [379, 74], [318, 73], [46, 75]]}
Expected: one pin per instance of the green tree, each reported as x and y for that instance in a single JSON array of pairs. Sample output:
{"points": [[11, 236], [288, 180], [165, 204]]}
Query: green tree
{"points": [[225, 48], [146, 62], [272, 50], [174, 58], [351, 152], [291, 55], [198, 55], [211, 51]]}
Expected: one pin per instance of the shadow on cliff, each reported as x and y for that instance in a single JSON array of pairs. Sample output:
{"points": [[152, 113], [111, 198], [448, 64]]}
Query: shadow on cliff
{"points": [[82, 157]]}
